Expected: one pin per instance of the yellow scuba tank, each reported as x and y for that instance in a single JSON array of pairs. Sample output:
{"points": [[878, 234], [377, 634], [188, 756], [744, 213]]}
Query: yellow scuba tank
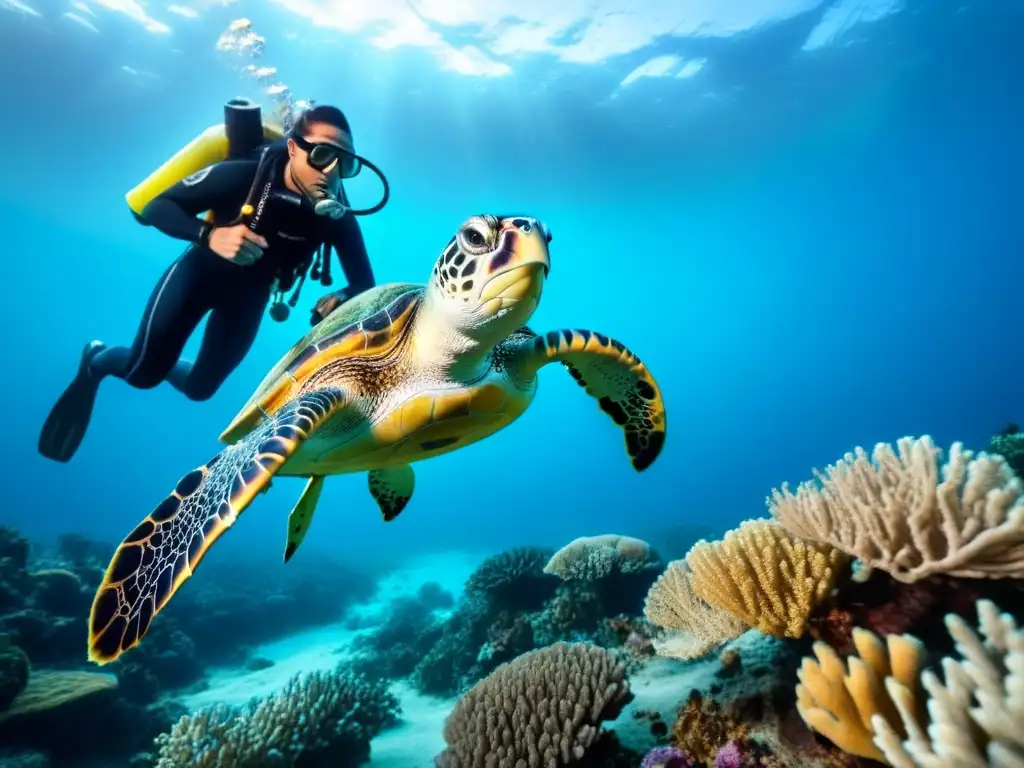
{"points": [[242, 132]]}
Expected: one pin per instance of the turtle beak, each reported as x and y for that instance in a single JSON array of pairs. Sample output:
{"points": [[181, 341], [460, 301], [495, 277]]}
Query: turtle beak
{"points": [[530, 238], [519, 265]]}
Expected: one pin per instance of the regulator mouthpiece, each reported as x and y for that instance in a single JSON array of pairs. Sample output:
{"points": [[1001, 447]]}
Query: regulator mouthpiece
{"points": [[330, 207]]}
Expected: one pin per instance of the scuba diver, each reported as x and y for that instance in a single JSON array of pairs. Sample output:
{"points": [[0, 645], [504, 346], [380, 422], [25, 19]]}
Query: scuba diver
{"points": [[271, 208]]}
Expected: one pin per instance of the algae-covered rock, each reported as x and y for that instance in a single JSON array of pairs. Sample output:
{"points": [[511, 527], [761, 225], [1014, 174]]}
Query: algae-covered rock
{"points": [[13, 562], [14, 671], [59, 592], [22, 759], [53, 692]]}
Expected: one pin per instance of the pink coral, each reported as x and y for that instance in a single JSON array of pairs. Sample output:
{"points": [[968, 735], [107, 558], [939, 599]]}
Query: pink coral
{"points": [[666, 757], [729, 756]]}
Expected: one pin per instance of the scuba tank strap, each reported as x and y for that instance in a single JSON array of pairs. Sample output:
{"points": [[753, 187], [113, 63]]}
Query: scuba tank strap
{"points": [[262, 182]]}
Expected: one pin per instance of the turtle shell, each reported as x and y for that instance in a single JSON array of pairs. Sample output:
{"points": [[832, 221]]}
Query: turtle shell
{"points": [[360, 326]]}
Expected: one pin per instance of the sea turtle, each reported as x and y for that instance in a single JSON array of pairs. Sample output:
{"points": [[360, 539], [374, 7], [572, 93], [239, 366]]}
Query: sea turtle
{"points": [[398, 374]]}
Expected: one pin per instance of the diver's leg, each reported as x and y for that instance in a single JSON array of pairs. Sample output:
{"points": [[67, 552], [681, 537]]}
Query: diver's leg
{"points": [[230, 333], [172, 313]]}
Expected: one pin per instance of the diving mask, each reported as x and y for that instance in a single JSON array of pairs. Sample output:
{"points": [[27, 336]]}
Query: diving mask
{"points": [[322, 155]]}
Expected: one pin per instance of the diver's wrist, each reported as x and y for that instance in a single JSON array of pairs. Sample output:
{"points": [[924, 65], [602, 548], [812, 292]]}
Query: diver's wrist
{"points": [[205, 230]]}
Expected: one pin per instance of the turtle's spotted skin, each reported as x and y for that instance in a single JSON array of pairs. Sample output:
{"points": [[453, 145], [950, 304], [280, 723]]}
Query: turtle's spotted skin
{"points": [[395, 376]]}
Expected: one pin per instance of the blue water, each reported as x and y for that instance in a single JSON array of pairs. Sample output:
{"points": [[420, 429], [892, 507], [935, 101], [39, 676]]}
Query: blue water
{"points": [[811, 249]]}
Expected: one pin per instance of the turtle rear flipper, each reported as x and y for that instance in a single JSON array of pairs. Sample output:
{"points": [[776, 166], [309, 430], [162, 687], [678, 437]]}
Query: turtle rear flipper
{"points": [[392, 488], [164, 550], [610, 373]]}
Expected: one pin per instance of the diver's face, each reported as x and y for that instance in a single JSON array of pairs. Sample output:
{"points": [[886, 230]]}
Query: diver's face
{"points": [[318, 183]]}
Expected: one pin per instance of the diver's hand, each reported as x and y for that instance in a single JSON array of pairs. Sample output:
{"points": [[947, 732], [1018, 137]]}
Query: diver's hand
{"points": [[237, 244], [327, 304]]}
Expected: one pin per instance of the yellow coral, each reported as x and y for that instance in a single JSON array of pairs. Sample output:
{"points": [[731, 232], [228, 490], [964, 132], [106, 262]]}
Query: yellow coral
{"points": [[977, 713], [694, 626], [846, 707], [765, 576]]}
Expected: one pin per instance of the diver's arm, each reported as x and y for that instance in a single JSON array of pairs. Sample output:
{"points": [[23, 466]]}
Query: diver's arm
{"points": [[347, 239], [174, 211]]}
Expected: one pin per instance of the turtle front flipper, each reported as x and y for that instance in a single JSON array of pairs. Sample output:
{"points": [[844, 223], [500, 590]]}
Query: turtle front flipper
{"points": [[609, 372], [392, 488], [164, 550]]}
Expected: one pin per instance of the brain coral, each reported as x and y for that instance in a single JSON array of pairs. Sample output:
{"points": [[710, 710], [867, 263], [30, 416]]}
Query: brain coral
{"points": [[543, 708]]}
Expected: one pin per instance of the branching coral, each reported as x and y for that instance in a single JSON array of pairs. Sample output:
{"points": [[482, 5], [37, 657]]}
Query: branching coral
{"points": [[1010, 445], [513, 578], [895, 513], [844, 705], [595, 557], [765, 576], [334, 712], [694, 627], [977, 714], [543, 708], [703, 727]]}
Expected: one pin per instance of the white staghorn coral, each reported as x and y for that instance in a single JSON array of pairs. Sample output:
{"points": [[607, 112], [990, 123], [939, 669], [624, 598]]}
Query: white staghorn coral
{"points": [[895, 513], [977, 714]]}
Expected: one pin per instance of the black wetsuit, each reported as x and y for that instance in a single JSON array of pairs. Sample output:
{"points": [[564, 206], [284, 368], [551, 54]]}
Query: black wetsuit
{"points": [[236, 297]]}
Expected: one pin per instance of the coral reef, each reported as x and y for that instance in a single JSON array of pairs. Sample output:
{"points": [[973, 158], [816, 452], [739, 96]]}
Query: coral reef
{"points": [[46, 683], [764, 576], [510, 606], [837, 632], [666, 757], [1009, 444], [14, 672], [318, 721], [394, 648], [514, 578], [547, 705], [843, 703], [694, 627], [892, 512], [977, 713], [704, 727], [596, 557], [931, 542]]}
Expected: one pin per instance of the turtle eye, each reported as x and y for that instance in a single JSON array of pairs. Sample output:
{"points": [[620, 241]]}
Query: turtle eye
{"points": [[474, 237]]}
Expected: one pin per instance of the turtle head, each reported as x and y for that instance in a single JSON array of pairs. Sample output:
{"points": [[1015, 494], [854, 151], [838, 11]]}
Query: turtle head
{"points": [[488, 279]]}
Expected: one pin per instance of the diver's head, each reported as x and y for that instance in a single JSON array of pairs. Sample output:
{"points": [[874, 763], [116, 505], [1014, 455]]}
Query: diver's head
{"points": [[320, 154]]}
